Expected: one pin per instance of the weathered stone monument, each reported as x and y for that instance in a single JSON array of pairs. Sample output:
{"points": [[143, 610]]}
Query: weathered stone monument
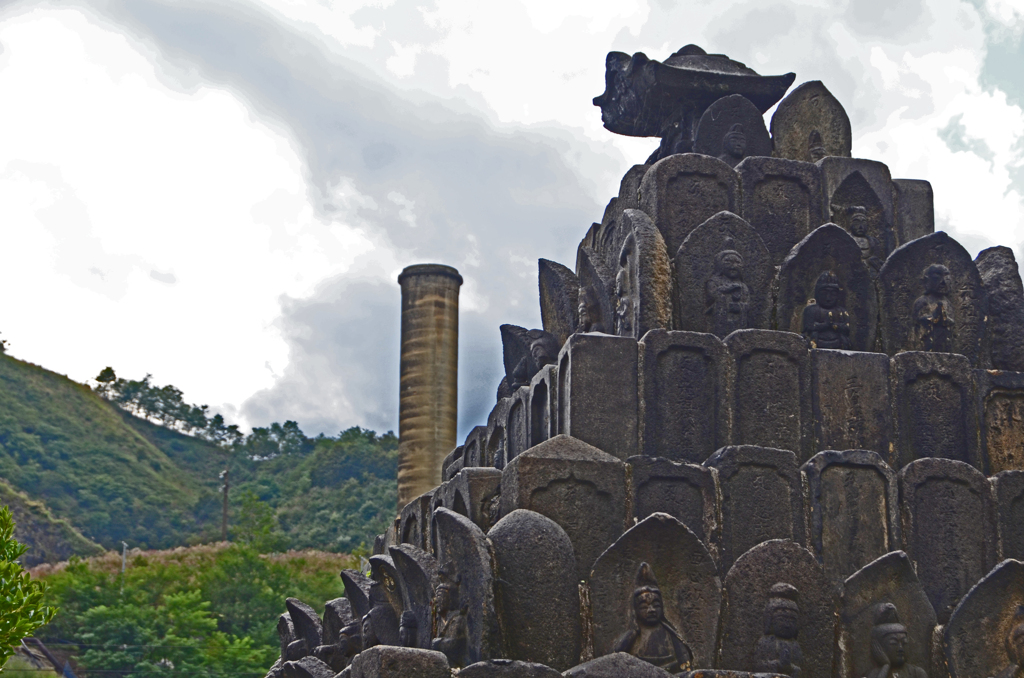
{"points": [[772, 425]]}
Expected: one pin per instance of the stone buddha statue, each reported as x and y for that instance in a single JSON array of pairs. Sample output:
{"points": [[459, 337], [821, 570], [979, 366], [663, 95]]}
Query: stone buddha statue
{"points": [[778, 650], [889, 641], [734, 145], [369, 636], [589, 311], [826, 323], [651, 637], [726, 296], [451, 632], [543, 347], [407, 629], [934, 319], [815, 146], [1015, 648], [870, 251]]}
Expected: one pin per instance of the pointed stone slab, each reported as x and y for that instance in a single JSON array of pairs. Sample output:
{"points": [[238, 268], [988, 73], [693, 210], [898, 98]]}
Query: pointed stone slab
{"points": [[643, 279], [306, 622], [915, 209], [1009, 491], [854, 182], [850, 401], [900, 285], [762, 498], [746, 590], [719, 122], [508, 668], [417, 576], [949, 528], [464, 546], [770, 390], [357, 590], [385, 600], [782, 200], [704, 299], [975, 639], [337, 615], [682, 191], [828, 248], [617, 665], [597, 291], [414, 521], [686, 492], [811, 110], [686, 574], [1001, 278], [574, 484], [683, 410], [890, 579], [559, 298], [538, 592]]}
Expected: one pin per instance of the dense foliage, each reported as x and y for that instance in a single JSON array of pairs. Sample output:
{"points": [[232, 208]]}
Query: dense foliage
{"points": [[208, 610], [21, 598]]}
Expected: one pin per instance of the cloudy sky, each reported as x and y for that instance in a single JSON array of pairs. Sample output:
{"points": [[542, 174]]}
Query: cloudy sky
{"points": [[223, 193]]}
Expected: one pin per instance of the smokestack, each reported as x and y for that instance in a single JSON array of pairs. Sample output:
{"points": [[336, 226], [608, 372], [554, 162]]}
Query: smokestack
{"points": [[428, 390]]}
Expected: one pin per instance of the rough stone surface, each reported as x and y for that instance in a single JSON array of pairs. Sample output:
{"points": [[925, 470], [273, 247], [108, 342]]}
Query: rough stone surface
{"points": [[890, 579], [1001, 418], [909, 313], [543, 411], [473, 492], [357, 590], [949, 528], [307, 667], [399, 662], [682, 191], [497, 420], [452, 463], [998, 269], [473, 448], [597, 392], [828, 318], [685, 573], [782, 200], [976, 639], [747, 589], [417, 575], [810, 124], [853, 182], [732, 129], [686, 492], [517, 433], [643, 278], [597, 292], [716, 291], [337, 615], [508, 668], [559, 298], [762, 498], [934, 407], [769, 376], [538, 592], [574, 484], [524, 353], [617, 665], [1009, 493], [414, 521], [854, 510], [306, 622], [850, 401], [683, 408], [915, 209], [385, 600]]}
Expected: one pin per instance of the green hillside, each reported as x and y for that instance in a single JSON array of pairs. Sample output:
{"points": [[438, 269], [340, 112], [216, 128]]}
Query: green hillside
{"points": [[52, 539], [64, 446]]}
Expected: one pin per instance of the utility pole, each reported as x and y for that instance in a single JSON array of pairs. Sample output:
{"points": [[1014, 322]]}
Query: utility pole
{"points": [[224, 515]]}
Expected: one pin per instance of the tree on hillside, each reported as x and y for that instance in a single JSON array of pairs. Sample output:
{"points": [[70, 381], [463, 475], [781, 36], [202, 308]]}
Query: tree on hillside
{"points": [[21, 598]]}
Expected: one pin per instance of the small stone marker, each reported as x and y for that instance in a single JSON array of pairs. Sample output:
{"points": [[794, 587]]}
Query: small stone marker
{"points": [[643, 279], [357, 590], [574, 484], [337, 615], [1009, 491], [597, 291], [732, 129], [559, 299], [723, 276], [417, 574], [780, 613], [850, 401], [915, 209], [985, 635], [935, 413], [854, 510], [1001, 417], [762, 498], [538, 590], [473, 448], [682, 191], [998, 269], [858, 196], [890, 580], [931, 298], [782, 200], [948, 528], [497, 420], [810, 124], [683, 575], [399, 662], [826, 293], [473, 491], [683, 408], [517, 432], [543, 410], [686, 492], [307, 667]]}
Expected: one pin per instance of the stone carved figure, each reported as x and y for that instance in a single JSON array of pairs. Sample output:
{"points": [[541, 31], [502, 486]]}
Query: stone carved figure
{"points": [[369, 636], [652, 638], [543, 351], [589, 310], [869, 247], [1015, 648], [778, 650], [889, 640], [934, 319], [451, 631], [726, 296], [826, 322], [734, 145], [407, 629], [815, 146]]}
